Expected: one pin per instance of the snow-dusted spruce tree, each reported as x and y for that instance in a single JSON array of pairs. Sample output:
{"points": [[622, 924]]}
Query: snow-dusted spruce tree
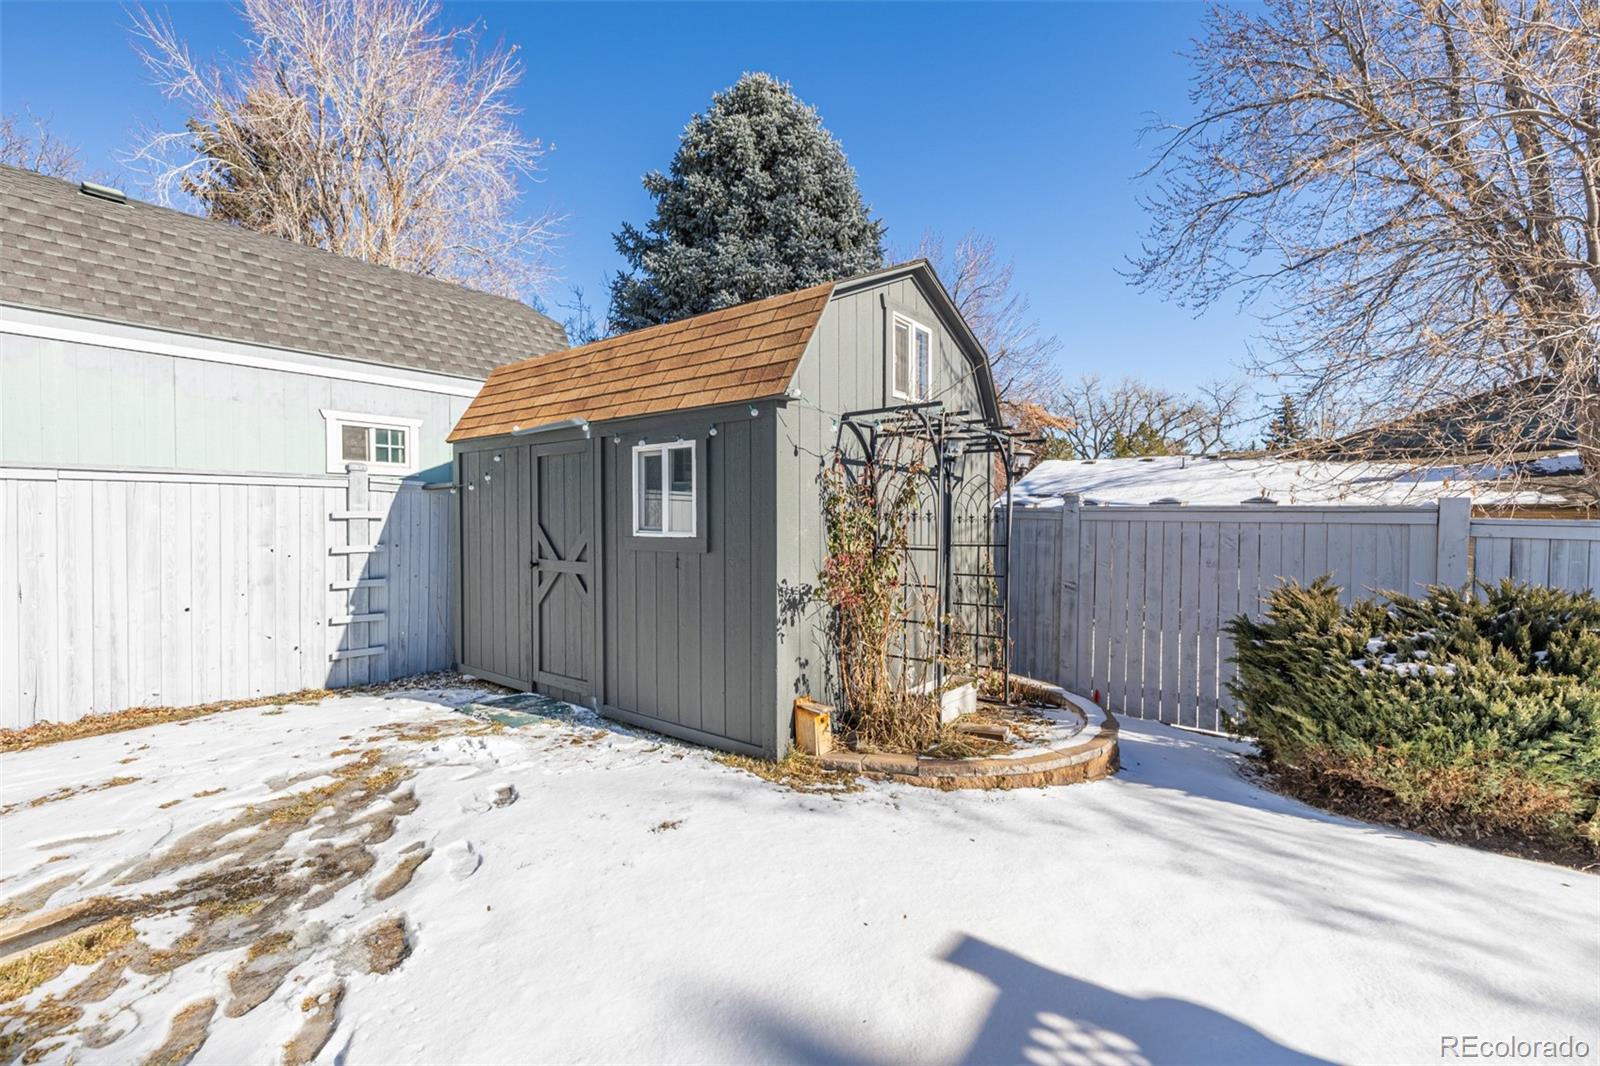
{"points": [[759, 200]]}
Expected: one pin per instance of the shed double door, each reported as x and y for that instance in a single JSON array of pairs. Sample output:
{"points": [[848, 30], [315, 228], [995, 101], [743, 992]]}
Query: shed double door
{"points": [[528, 575]]}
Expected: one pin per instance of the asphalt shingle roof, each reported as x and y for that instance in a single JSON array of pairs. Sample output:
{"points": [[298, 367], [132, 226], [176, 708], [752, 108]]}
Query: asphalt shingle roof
{"points": [[64, 251], [737, 354]]}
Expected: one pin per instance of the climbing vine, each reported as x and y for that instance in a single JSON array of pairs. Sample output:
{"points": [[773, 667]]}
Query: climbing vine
{"points": [[881, 611]]}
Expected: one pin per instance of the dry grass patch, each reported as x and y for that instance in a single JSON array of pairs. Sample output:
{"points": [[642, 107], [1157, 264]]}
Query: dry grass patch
{"points": [[34, 898], [94, 725], [401, 875], [322, 1012], [249, 900], [67, 792], [271, 944], [364, 776], [189, 1029], [796, 771], [951, 743], [22, 975], [384, 945], [41, 733], [50, 1015]]}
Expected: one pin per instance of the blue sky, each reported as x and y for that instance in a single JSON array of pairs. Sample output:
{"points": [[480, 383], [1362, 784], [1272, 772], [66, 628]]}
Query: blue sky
{"points": [[1020, 121]]}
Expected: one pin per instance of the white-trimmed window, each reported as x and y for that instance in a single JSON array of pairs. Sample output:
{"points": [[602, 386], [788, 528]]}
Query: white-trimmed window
{"points": [[386, 445], [910, 359], [665, 486]]}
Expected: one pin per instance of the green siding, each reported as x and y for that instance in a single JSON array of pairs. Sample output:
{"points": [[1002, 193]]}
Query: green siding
{"points": [[72, 404]]}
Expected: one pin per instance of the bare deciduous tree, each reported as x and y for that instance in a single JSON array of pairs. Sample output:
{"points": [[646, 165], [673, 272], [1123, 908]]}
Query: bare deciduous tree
{"points": [[1415, 187], [1098, 417], [362, 127], [1021, 355], [27, 141]]}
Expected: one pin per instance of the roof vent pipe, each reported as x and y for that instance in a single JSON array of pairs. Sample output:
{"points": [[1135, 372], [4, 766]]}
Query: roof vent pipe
{"points": [[103, 192]]}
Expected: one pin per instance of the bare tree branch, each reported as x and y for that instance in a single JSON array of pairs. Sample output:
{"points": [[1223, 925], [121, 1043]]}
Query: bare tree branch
{"points": [[1101, 419], [983, 286], [359, 126], [1414, 187], [27, 141]]}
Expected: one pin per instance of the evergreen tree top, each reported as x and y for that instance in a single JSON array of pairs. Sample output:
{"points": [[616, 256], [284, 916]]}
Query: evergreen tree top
{"points": [[1286, 428], [758, 200]]}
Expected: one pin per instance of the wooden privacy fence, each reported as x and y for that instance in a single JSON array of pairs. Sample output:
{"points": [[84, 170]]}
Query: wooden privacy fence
{"points": [[1131, 601], [122, 589]]}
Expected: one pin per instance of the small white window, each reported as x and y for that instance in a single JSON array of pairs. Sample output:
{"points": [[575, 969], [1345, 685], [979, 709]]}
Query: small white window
{"points": [[665, 484], [911, 360], [386, 445]]}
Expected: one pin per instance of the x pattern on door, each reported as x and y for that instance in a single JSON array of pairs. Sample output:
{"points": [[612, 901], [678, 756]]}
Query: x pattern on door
{"points": [[551, 564]]}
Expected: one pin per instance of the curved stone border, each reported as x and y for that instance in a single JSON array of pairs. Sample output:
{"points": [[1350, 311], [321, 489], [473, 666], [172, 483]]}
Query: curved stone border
{"points": [[1091, 755]]}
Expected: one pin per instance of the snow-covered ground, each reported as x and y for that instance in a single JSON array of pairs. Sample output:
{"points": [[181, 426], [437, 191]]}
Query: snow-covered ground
{"points": [[595, 894]]}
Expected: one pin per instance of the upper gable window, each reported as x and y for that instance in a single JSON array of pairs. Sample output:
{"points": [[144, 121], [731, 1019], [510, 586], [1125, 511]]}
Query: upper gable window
{"points": [[911, 359]]}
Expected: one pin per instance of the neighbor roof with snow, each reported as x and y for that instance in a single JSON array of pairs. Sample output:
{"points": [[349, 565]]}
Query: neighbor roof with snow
{"points": [[1197, 480], [735, 355], [135, 263]]}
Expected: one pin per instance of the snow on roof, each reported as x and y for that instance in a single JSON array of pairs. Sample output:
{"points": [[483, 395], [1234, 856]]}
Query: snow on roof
{"points": [[1202, 480]]}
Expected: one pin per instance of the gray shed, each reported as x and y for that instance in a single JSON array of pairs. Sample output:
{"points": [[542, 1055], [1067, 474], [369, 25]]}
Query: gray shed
{"points": [[640, 523]]}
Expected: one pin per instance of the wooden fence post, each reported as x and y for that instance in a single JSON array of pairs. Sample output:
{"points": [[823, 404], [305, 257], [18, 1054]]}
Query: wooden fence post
{"points": [[1455, 532], [1067, 593]]}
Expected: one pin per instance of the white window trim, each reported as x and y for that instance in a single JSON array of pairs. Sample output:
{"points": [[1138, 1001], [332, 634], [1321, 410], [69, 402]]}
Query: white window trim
{"points": [[639, 451], [337, 420], [914, 327]]}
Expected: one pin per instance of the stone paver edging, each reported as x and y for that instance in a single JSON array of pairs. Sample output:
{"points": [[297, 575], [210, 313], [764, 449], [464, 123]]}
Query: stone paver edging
{"points": [[1090, 754]]}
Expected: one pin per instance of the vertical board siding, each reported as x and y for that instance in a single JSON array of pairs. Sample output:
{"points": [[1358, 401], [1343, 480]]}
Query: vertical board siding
{"points": [[1560, 553], [689, 633], [1134, 601], [121, 590]]}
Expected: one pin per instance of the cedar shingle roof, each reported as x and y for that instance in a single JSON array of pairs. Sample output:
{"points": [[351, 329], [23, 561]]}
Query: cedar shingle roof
{"points": [[144, 265], [735, 355]]}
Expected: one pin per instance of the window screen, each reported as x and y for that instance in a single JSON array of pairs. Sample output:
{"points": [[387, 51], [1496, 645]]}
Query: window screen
{"points": [[353, 444]]}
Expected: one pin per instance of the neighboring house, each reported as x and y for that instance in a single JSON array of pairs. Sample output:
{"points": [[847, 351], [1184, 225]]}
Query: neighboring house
{"points": [[1530, 418], [136, 336], [641, 518], [1206, 481], [179, 402]]}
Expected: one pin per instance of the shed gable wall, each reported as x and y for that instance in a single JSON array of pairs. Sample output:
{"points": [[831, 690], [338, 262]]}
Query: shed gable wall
{"points": [[845, 368]]}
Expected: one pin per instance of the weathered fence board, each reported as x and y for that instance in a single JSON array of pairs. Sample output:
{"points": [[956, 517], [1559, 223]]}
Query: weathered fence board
{"points": [[1133, 601], [120, 588]]}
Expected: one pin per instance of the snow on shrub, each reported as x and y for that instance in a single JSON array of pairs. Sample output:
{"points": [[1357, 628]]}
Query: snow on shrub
{"points": [[1448, 713]]}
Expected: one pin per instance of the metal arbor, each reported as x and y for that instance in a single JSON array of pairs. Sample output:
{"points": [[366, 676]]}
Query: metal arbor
{"points": [[965, 528]]}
